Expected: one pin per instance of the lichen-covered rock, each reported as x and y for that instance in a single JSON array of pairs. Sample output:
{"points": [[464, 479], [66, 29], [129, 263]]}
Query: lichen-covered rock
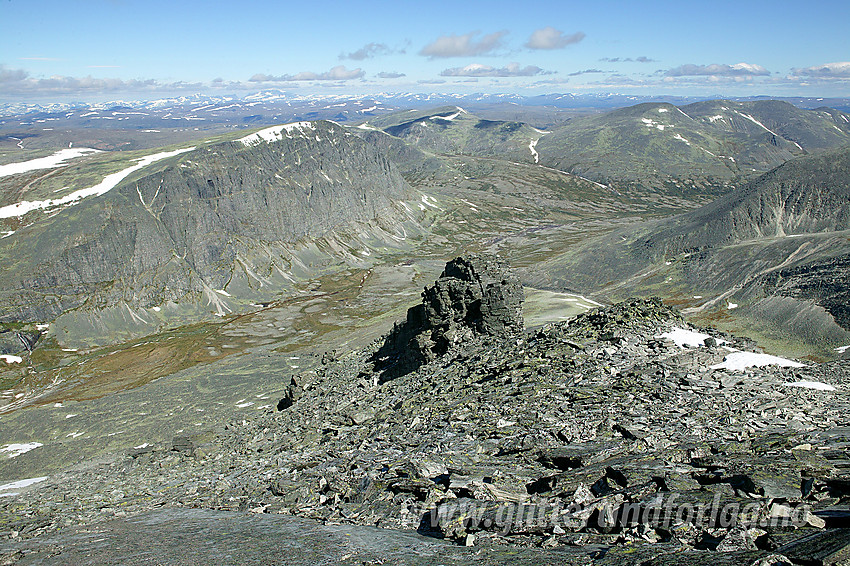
{"points": [[475, 295]]}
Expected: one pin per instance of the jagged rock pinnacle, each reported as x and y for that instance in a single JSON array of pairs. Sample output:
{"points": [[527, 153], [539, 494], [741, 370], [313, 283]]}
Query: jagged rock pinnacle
{"points": [[476, 295]]}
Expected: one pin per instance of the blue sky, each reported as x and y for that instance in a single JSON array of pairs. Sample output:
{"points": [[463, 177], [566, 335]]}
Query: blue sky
{"points": [[89, 49]]}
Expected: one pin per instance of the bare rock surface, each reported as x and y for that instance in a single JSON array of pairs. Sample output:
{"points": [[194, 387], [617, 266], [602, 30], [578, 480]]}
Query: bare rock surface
{"points": [[474, 296], [618, 437]]}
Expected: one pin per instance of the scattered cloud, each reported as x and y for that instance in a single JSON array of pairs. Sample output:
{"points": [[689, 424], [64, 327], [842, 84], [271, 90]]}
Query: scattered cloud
{"points": [[718, 70], [550, 82], [369, 51], [12, 75], [463, 45], [39, 59], [551, 38], [390, 75], [586, 72], [641, 59], [479, 70], [826, 71], [19, 82], [431, 82], [338, 73]]}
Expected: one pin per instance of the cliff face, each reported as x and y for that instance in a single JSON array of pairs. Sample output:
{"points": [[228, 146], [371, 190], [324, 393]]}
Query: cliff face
{"points": [[804, 196], [184, 227]]}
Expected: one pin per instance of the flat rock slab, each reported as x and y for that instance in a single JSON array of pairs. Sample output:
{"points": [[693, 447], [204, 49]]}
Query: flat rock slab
{"points": [[196, 536]]}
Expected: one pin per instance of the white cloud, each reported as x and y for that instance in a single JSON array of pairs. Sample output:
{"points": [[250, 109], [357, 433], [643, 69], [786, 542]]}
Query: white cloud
{"points": [[641, 59], [369, 51], [718, 70], [19, 82], [551, 38], [463, 45], [390, 75], [479, 70], [827, 71], [338, 73]]}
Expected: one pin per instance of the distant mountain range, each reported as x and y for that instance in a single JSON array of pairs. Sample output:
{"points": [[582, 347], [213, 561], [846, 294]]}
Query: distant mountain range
{"points": [[701, 148], [711, 142], [283, 99]]}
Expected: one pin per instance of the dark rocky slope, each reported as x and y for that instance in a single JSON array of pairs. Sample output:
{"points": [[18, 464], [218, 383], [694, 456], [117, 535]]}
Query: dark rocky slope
{"points": [[558, 443], [228, 216]]}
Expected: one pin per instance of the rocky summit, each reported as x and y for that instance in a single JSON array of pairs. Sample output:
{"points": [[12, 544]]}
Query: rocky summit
{"points": [[621, 436], [475, 296]]}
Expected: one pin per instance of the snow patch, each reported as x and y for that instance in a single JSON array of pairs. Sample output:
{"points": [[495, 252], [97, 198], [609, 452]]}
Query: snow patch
{"points": [[662, 110], [731, 306], [9, 359], [713, 119], [276, 133], [685, 338], [754, 121], [817, 385], [427, 201], [58, 159], [652, 123], [534, 153], [109, 182], [20, 484], [842, 349], [472, 206], [738, 361], [448, 118], [16, 450], [680, 138]]}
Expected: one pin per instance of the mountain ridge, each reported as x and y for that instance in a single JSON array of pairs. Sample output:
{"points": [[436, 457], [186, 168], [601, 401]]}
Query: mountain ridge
{"points": [[188, 225]]}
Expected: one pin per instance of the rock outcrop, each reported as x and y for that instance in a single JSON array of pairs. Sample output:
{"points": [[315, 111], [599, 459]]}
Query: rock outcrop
{"points": [[475, 296], [619, 433]]}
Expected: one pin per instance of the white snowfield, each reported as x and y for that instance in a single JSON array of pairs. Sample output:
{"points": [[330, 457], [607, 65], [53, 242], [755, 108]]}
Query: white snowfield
{"points": [[16, 450], [735, 360], [448, 118], [738, 361], [817, 385], [9, 359], [58, 159], [109, 182], [276, 133], [687, 338], [6, 488], [534, 153]]}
